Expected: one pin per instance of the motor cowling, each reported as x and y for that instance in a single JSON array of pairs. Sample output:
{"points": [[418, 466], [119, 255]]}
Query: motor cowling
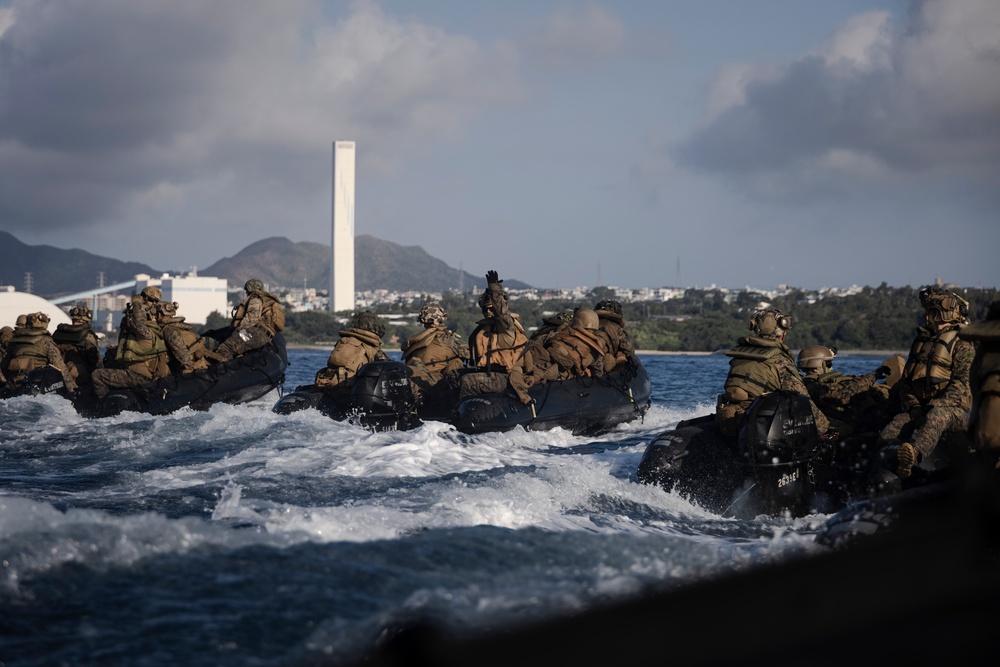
{"points": [[382, 395]]}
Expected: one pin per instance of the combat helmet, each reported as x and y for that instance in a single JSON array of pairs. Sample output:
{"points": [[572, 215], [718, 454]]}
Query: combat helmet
{"points": [[81, 313], [585, 318], [22, 321], [151, 293], [432, 314], [943, 306], [253, 285], [38, 320], [368, 321], [609, 305], [562, 317], [168, 308], [770, 323], [815, 356]]}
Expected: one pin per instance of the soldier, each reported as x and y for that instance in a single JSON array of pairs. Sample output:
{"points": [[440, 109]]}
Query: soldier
{"points": [[760, 364], [435, 351], [32, 347], [141, 354], [497, 345], [579, 350], [984, 419], [852, 403], [550, 325], [186, 348], [612, 323], [258, 319], [359, 343], [934, 393], [78, 344]]}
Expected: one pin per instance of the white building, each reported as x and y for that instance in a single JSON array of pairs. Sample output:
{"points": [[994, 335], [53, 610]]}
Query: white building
{"points": [[197, 296], [14, 303], [342, 244]]}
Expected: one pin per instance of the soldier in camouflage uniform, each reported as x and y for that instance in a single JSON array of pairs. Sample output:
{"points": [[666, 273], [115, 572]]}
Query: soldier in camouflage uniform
{"points": [[613, 325], [258, 319], [78, 344], [934, 392], [435, 351], [550, 325], [141, 354], [760, 364], [496, 345], [984, 420], [186, 348], [359, 343], [32, 347], [852, 403]]}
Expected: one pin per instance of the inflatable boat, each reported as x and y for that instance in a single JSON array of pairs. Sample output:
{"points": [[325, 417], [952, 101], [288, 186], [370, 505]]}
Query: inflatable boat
{"points": [[382, 399], [239, 380]]}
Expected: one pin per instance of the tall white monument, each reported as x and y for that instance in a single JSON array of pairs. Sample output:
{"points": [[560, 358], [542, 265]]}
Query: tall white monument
{"points": [[342, 247]]}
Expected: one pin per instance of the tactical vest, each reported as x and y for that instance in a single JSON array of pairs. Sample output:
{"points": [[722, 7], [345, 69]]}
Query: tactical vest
{"points": [[272, 313], [486, 350], [145, 357], [752, 367], [928, 366], [192, 341], [429, 348], [346, 358], [71, 335], [576, 349], [27, 352]]}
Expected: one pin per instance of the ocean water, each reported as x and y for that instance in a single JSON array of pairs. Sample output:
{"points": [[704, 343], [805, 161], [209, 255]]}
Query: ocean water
{"points": [[238, 536]]}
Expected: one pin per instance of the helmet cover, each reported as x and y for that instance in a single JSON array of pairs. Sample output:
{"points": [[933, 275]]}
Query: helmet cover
{"points": [[609, 305], [151, 293], [432, 314], [38, 320], [815, 356], [253, 285], [585, 318], [770, 323], [368, 321], [81, 313]]}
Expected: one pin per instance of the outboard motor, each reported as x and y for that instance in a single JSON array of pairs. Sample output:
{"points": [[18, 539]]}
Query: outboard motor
{"points": [[778, 443], [383, 398], [45, 380]]}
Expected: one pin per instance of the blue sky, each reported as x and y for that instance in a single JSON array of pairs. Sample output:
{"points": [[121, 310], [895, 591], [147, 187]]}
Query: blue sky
{"points": [[627, 143]]}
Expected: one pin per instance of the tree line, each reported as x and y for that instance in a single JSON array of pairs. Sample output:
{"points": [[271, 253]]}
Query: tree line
{"points": [[703, 320]]}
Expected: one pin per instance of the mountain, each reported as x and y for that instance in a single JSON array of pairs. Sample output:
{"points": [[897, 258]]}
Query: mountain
{"points": [[277, 261], [57, 272], [377, 265]]}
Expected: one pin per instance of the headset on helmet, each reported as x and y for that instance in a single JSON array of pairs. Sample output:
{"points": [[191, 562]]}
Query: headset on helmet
{"points": [[432, 314], [38, 320], [950, 306], [168, 308], [769, 322], [815, 356], [253, 285], [81, 313]]}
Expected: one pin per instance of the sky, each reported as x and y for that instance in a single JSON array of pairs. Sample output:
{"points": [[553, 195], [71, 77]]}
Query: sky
{"points": [[631, 143]]}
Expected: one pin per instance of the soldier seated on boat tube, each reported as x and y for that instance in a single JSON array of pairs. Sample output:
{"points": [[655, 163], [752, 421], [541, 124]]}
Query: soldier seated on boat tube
{"points": [[258, 319], [78, 344], [612, 323], [359, 343], [184, 345], [578, 350], [141, 353], [32, 347], [760, 364], [434, 352], [496, 347]]}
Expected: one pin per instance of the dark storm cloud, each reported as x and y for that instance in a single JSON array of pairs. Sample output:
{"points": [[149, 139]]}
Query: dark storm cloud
{"points": [[918, 103]]}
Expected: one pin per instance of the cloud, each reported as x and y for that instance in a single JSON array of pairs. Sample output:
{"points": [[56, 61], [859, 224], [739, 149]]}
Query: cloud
{"points": [[112, 109], [876, 107], [575, 36]]}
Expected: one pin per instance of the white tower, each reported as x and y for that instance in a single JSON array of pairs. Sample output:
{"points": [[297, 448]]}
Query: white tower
{"points": [[342, 246]]}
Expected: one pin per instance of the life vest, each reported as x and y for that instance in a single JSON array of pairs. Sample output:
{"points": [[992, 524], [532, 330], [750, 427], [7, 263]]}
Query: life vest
{"points": [[486, 349], [145, 357], [27, 352], [436, 348], [192, 341], [752, 367], [75, 341], [576, 349], [928, 366], [272, 313], [355, 348], [67, 336]]}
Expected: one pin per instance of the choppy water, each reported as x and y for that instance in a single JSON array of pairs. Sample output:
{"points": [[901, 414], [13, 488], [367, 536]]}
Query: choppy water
{"points": [[241, 537]]}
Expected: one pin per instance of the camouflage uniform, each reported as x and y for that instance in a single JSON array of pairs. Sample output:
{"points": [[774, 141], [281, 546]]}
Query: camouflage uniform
{"points": [[358, 345], [575, 351], [613, 325], [187, 349], [934, 392], [32, 347], [851, 403], [984, 419], [141, 354], [498, 341], [254, 322], [80, 349], [433, 353]]}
